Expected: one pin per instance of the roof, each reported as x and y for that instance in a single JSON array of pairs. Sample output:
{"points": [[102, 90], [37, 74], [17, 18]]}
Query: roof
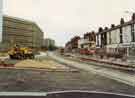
{"points": [[19, 19], [118, 26], [22, 20]]}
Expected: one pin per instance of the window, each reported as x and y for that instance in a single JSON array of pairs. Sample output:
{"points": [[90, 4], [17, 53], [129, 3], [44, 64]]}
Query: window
{"points": [[81, 46], [110, 41], [121, 37], [105, 38], [132, 33], [97, 40]]}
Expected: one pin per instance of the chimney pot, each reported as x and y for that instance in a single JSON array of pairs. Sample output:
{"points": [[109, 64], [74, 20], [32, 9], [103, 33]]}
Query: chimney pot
{"points": [[100, 29], [112, 25], [122, 21], [133, 16], [106, 28]]}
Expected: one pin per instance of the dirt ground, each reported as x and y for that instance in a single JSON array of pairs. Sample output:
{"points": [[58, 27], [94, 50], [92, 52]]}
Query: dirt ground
{"points": [[28, 80]]}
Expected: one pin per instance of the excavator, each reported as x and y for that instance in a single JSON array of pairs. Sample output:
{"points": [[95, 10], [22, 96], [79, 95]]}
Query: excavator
{"points": [[21, 53]]}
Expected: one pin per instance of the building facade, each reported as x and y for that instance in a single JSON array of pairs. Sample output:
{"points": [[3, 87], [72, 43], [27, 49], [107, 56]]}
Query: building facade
{"points": [[21, 32], [72, 45], [117, 41], [118, 38], [88, 41], [68, 47], [48, 42]]}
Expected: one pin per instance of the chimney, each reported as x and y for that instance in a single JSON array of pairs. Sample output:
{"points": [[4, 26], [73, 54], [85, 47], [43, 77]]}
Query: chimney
{"points": [[122, 21], [133, 17], [93, 32], [100, 29], [84, 35], [106, 28], [112, 25]]}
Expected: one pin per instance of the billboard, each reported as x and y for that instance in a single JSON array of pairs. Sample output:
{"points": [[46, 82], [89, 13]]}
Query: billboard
{"points": [[1, 20]]}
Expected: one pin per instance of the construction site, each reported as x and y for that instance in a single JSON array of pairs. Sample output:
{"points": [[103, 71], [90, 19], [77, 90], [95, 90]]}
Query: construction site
{"points": [[25, 67], [87, 63], [45, 73]]}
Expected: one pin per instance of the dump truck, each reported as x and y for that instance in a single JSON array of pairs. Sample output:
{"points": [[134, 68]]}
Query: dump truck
{"points": [[21, 53]]}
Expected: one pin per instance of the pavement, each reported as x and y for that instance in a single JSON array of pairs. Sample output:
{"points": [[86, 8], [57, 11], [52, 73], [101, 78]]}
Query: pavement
{"points": [[106, 72], [110, 61]]}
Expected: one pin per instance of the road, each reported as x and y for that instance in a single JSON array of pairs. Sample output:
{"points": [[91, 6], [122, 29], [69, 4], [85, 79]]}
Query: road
{"points": [[43, 81], [107, 72]]}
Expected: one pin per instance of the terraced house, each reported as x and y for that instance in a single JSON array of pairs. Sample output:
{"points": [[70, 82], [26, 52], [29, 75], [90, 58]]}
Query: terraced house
{"points": [[88, 41], [68, 46], [118, 37], [72, 45], [22, 32]]}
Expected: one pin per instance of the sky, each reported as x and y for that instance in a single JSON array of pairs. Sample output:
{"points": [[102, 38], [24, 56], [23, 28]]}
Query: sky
{"points": [[0, 20], [63, 19]]}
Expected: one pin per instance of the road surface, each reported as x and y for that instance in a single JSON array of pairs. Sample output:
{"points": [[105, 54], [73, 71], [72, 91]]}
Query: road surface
{"points": [[43, 81], [107, 72]]}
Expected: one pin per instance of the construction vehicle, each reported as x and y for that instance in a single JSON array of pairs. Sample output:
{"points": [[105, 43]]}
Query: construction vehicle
{"points": [[21, 53]]}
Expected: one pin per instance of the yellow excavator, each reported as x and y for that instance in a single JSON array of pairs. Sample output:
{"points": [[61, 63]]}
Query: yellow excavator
{"points": [[21, 53]]}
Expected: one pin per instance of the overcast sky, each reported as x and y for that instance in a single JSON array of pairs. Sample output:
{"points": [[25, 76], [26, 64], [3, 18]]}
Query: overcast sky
{"points": [[63, 19]]}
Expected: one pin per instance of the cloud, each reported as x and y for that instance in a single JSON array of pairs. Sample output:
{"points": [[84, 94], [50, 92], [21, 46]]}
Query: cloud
{"points": [[75, 17]]}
